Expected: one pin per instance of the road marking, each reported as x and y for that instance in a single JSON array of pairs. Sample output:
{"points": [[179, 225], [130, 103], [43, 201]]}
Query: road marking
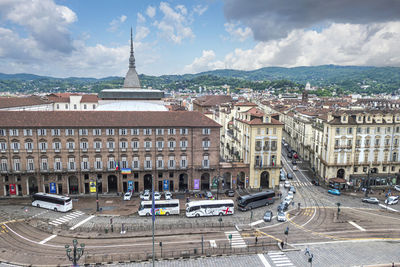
{"points": [[264, 260], [389, 208], [82, 222], [280, 259], [237, 240], [256, 222], [213, 244], [47, 239], [357, 226]]}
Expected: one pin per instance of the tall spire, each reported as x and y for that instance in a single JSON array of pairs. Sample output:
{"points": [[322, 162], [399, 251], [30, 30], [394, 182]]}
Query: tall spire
{"points": [[131, 78], [132, 57]]}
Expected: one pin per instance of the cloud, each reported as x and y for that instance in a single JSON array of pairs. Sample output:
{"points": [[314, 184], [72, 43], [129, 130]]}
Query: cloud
{"points": [[237, 32], [46, 22], [199, 9], [271, 19], [115, 23], [141, 33], [151, 11], [204, 63], [140, 18], [174, 25]]}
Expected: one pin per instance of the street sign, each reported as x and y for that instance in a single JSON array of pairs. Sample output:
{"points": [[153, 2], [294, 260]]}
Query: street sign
{"points": [[196, 184], [92, 186], [166, 185], [53, 189]]}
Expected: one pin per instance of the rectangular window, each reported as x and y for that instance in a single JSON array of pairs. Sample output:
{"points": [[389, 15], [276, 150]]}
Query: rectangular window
{"points": [[85, 164], [57, 164], [28, 145], [135, 163], [206, 131], [124, 163], [2, 132], [206, 143], [83, 131], [55, 132], [69, 132], [109, 131], [70, 145], [183, 162], [41, 132], [3, 146], [171, 144], [44, 165], [84, 145], [135, 144], [71, 164], [110, 144], [17, 165], [147, 144], [184, 131], [205, 162], [147, 131], [31, 166], [27, 132], [147, 163], [99, 164], [350, 130], [123, 144], [184, 143], [4, 165], [160, 145], [160, 163], [96, 131], [123, 131], [97, 144], [15, 146], [43, 146], [13, 132], [171, 162], [337, 130], [160, 131], [111, 163], [134, 131], [171, 131]]}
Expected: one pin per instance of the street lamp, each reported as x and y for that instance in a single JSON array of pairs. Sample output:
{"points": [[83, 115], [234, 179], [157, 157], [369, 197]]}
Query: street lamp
{"points": [[78, 252], [97, 194]]}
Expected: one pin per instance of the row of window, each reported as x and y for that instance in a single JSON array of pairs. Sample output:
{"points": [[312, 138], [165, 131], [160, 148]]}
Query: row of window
{"points": [[98, 144], [110, 131], [268, 145], [85, 106], [367, 142], [365, 158], [367, 130], [171, 163]]}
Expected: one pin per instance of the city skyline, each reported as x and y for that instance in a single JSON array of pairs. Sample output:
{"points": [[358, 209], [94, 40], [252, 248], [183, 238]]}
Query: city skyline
{"points": [[91, 38]]}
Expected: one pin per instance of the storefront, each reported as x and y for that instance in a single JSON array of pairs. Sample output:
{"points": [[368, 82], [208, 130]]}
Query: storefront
{"points": [[375, 180]]}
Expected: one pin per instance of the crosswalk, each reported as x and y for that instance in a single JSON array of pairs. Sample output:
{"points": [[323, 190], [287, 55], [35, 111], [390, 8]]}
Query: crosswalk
{"points": [[298, 184], [237, 240], [66, 218], [279, 259]]}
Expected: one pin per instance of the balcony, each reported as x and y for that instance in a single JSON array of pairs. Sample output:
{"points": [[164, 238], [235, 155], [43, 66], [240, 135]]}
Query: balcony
{"points": [[84, 150], [205, 148], [29, 151], [159, 148], [98, 149], [44, 170], [71, 150], [147, 148], [15, 151], [183, 148], [111, 150], [135, 149], [3, 151], [258, 148], [123, 149], [57, 150], [30, 170], [171, 149]]}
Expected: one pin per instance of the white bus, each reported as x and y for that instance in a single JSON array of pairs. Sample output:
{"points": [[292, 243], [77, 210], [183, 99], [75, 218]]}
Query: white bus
{"points": [[162, 207], [52, 202], [210, 208]]}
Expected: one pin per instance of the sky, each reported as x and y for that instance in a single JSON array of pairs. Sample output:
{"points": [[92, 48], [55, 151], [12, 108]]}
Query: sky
{"points": [[91, 38]]}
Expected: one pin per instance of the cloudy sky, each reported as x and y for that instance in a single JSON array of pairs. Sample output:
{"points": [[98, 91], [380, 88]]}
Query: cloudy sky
{"points": [[90, 38]]}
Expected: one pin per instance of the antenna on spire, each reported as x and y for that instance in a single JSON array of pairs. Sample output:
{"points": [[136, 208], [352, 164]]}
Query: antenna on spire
{"points": [[132, 57]]}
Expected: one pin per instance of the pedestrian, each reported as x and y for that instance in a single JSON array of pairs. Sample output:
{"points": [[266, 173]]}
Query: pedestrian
{"points": [[293, 204], [282, 244], [307, 252], [256, 240]]}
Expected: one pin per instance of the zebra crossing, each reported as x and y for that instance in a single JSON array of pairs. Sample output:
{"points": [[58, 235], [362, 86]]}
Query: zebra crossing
{"points": [[66, 218], [279, 259], [299, 184], [237, 240]]}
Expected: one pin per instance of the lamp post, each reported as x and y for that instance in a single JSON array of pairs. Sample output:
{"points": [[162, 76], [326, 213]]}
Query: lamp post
{"points": [[77, 252], [97, 194], [153, 214]]}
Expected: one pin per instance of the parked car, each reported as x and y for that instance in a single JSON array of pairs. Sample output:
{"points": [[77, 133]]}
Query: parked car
{"points": [[295, 156], [295, 167], [128, 195], [292, 188], [290, 194], [294, 162], [397, 187], [281, 216], [290, 176], [157, 195], [283, 206], [334, 192], [268, 216], [230, 193], [168, 195], [392, 200], [288, 200], [287, 184], [372, 200], [145, 195], [282, 175], [289, 155]]}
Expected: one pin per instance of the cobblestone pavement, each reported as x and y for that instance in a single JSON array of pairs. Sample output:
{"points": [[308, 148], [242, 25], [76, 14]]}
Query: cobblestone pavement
{"points": [[341, 254]]}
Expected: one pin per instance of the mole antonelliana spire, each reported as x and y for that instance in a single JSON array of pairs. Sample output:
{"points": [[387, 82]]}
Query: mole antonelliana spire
{"points": [[132, 78]]}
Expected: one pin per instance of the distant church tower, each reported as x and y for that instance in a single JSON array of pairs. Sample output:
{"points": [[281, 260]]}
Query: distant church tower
{"points": [[304, 96]]}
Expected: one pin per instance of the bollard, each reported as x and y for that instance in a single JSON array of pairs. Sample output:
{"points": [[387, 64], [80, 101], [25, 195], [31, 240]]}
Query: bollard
{"points": [[106, 230]]}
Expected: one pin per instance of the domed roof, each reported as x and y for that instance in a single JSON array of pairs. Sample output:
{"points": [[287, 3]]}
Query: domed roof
{"points": [[131, 106]]}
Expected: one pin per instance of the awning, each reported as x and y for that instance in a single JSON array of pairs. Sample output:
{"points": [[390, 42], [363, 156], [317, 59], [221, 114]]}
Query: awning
{"points": [[337, 180]]}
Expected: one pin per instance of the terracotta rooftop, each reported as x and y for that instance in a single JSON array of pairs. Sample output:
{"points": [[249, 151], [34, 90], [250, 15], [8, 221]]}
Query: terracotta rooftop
{"points": [[258, 121], [212, 100], [247, 104], [21, 119], [10, 102], [65, 97]]}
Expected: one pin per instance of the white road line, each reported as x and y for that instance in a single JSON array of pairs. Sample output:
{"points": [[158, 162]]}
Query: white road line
{"points": [[47, 239], [256, 222], [82, 222], [284, 264], [213, 244], [264, 260], [357, 226], [389, 208]]}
